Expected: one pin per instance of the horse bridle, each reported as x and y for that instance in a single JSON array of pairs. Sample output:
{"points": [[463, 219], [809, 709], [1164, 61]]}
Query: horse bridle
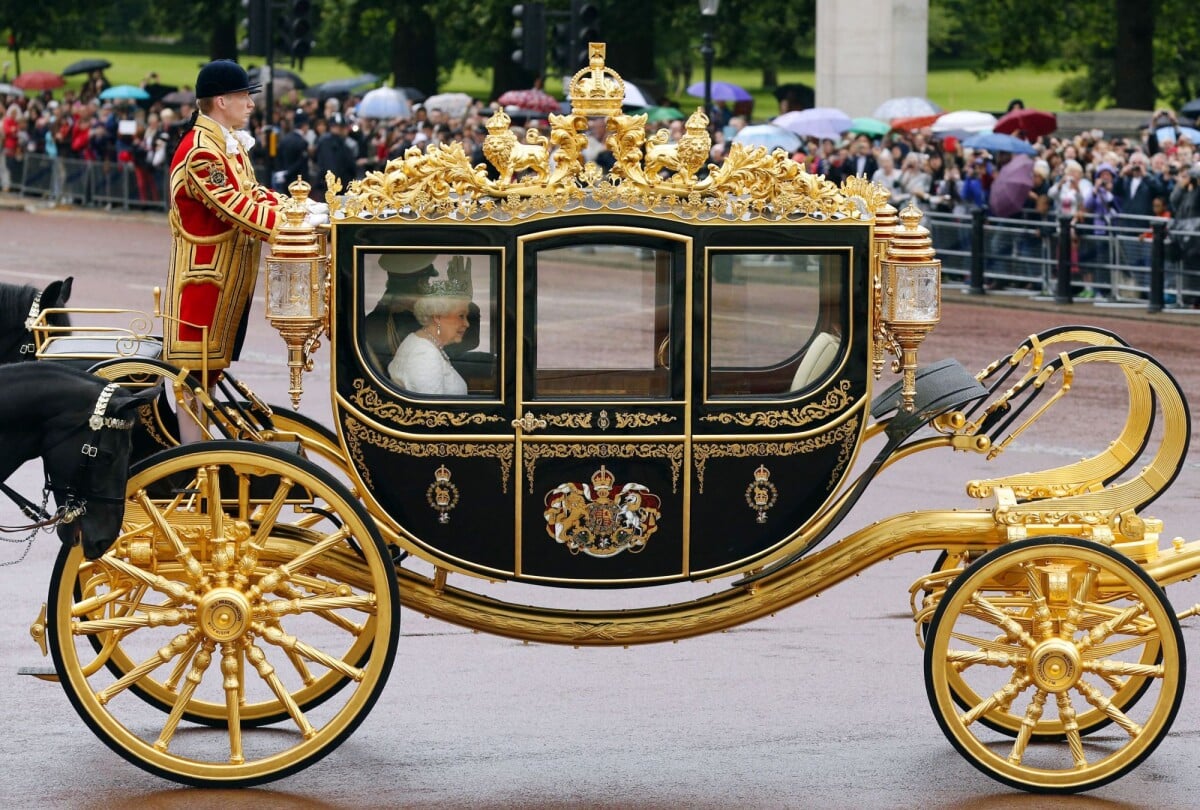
{"points": [[75, 500], [35, 309]]}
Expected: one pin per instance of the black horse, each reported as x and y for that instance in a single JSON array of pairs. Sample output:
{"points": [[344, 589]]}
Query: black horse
{"points": [[79, 425], [19, 306]]}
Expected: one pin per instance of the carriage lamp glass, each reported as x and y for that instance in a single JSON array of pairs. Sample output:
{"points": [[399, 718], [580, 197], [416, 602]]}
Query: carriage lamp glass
{"points": [[910, 296], [708, 8], [297, 280]]}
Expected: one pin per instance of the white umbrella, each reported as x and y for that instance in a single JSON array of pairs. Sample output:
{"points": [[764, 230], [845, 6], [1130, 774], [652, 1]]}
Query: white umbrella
{"points": [[768, 135], [819, 122], [636, 97], [383, 103], [10, 90], [962, 123], [452, 104], [905, 107]]}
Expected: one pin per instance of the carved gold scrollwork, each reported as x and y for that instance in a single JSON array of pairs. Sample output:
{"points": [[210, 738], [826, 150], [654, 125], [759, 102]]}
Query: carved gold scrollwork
{"points": [[642, 420], [844, 434], [357, 433], [569, 420], [369, 399], [532, 452], [836, 400]]}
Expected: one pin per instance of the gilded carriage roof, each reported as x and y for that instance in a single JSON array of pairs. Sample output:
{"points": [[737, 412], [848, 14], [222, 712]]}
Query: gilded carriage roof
{"points": [[549, 175]]}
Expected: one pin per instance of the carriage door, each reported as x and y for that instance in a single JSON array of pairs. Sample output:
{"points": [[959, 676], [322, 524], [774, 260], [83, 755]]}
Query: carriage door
{"points": [[601, 417]]}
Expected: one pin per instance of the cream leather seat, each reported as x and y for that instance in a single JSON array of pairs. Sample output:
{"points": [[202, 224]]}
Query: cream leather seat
{"points": [[817, 360]]}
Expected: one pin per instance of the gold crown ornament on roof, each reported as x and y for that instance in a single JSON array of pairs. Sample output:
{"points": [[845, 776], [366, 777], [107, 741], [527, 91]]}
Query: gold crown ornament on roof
{"points": [[546, 173], [597, 90]]}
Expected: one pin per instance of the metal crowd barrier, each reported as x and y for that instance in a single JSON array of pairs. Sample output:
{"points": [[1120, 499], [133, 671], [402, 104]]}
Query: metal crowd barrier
{"points": [[83, 182]]}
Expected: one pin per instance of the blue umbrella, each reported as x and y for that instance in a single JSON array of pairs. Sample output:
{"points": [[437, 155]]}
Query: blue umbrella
{"points": [[1169, 134], [998, 142], [124, 92], [768, 135], [721, 91]]}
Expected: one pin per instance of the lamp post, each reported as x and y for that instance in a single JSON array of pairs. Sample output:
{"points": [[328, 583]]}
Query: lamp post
{"points": [[708, 11]]}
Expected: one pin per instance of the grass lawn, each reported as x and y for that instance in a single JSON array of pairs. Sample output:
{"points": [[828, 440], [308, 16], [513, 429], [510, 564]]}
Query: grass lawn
{"points": [[953, 88]]}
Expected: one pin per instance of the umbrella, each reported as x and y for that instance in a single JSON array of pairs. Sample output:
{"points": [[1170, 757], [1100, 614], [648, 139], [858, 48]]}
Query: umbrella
{"points": [[905, 107], [159, 91], [10, 90], [999, 142], [38, 80], [452, 104], [280, 86], [179, 97], [531, 99], [339, 87], [768, 135], [1011, 187], [412, 94], [821, 122], [656, 115], [963, 123], [870, 126], [1191, 109], [637, 97], [86, 66], [1173, 134], [798, 96], [383, 103], [277, 73], [915, 122], [1032, 123], [721, 91], [124, 92]]}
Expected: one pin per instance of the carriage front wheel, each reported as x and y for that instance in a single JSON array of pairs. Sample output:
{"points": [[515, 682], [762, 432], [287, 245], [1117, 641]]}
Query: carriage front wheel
{"points": [[1051, 630], [247, 581]]}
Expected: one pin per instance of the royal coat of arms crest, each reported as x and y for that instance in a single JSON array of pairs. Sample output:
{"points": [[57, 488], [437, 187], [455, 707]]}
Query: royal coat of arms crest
{"points": [[589, 519]]}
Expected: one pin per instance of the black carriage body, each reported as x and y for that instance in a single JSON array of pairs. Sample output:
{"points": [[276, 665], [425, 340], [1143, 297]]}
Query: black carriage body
{"points": [[650, 399]]}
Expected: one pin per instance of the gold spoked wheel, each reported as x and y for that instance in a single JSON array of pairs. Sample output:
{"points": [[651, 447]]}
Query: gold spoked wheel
{"points": [[248, 587], [998, 718], [1052, 631]]}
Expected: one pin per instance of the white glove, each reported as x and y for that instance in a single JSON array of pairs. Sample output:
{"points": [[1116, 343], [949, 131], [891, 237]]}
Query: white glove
{"points": [[318, 213]]}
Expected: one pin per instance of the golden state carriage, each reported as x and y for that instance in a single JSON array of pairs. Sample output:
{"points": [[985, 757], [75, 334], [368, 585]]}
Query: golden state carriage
{"points": [[668, 379]]}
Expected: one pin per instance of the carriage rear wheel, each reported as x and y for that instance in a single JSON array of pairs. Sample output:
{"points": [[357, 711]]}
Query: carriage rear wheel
{"points": [[1053, 631], [999, 718], [248, 586]]}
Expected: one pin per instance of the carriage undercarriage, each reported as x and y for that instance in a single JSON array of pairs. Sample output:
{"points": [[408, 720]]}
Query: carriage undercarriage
{"points": [[246, 619]]}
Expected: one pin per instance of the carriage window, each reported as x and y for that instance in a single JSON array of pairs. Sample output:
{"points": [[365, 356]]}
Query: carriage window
{"points": [[774, 321], [603, 320], [431, 325]]}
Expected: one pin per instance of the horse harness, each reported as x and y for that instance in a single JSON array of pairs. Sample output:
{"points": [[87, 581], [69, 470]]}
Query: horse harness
{"points": [[35, 309], [74, 504]]}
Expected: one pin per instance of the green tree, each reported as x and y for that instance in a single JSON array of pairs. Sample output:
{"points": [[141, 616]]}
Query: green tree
{"points": [[1112, 42], [35, 26]]}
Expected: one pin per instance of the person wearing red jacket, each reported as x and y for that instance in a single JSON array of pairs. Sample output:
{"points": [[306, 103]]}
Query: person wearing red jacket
{"points": [[219, 216]]}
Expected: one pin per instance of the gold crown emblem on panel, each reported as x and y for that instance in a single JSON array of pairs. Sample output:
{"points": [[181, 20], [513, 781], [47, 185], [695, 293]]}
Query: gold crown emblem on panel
{"points": [[546, 173]]}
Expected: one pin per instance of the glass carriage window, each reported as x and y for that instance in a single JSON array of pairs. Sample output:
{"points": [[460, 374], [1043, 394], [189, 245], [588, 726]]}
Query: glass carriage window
{"points": [[431, 324], [603, 322], [775, 323]]}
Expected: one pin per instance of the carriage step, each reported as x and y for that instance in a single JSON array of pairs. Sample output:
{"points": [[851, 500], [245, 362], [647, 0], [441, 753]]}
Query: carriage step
{"points": [[42, 673]]}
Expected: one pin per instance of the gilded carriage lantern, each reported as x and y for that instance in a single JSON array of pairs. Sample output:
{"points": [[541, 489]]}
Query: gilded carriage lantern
{"points": [[297, 280], [911, 296]]}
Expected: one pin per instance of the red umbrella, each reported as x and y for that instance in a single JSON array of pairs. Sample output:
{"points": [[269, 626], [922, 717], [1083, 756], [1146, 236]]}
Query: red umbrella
{"points": [[38, 80], [1032, 124], [914, 122], [532, 99]]}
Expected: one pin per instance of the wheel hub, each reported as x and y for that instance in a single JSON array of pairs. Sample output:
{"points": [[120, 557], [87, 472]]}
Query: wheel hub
{"points": [[224, 614], [1055, 665]]}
